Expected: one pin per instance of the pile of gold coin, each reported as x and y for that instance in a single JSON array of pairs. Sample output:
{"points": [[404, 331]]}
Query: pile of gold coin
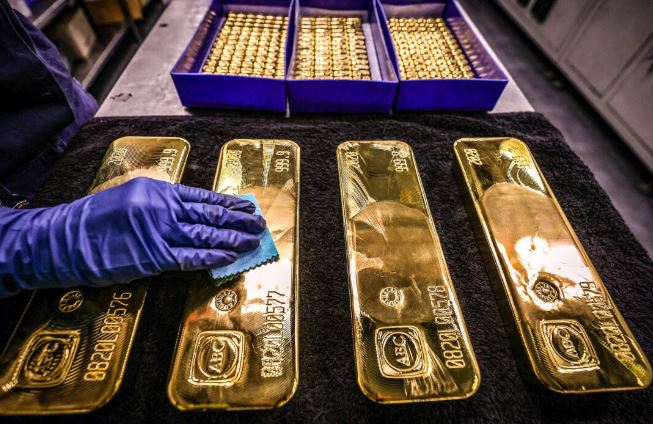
{"points": [[331, 47], [427, 49], [250, 45]]}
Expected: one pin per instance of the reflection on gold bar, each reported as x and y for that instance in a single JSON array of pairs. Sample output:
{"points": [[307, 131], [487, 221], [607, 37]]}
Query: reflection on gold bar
{"points": [[69, 351], [410, 340], [238, 343], [575, 338]]}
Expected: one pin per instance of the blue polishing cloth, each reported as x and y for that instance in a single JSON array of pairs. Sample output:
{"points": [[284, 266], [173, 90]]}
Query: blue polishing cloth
{"points": [[265, 253]]}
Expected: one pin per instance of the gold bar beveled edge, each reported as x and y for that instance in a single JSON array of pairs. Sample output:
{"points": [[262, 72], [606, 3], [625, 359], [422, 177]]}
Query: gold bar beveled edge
{"points": [[493, 267], [463, 324], [350, 288], [184, 407], [137, 317]]}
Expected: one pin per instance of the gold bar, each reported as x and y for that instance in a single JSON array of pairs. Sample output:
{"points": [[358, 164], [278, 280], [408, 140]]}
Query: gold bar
{"points": [[237, 347], [574, 337], [69, 351], [410, 339]]}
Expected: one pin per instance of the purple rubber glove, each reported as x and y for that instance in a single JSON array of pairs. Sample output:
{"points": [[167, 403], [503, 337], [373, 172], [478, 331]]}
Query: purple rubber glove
{"points": [[140, 228]]}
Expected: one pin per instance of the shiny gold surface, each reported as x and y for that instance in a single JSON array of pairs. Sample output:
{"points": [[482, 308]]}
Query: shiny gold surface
{"points": [[410, 340], [331, 47], [249, 44], [70, 348], [426, 49], [238, 343], [575, 338]]}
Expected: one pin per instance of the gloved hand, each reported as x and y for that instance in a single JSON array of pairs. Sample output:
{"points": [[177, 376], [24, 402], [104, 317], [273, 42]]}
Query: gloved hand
{"points": [[137, 229]]}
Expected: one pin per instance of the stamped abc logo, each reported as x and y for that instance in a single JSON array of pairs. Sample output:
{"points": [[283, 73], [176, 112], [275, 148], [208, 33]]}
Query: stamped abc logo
{"points": [[49, 357], [568, 346], [217, 357], [400, 351]]}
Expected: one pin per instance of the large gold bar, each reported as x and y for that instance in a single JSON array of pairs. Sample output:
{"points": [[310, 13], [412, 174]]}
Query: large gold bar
{"points": [[575, 339], [238, 343], [410, 339], [69, 351]]}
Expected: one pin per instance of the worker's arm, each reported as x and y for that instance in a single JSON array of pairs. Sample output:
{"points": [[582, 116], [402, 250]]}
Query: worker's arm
{"points": [[41, 107], [138, 229]]}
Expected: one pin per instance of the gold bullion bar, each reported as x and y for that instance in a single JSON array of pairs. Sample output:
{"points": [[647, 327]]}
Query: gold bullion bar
{"points": [[574, 337], [69, 351], [410, 339], [237, 347]]}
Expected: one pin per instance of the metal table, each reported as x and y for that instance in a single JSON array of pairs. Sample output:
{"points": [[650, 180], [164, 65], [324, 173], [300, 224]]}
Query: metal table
{"points": [[146, 88]]}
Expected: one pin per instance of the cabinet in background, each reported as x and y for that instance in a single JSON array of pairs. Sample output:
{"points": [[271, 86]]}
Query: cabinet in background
{"points": [[608, 40], [605, 48]]}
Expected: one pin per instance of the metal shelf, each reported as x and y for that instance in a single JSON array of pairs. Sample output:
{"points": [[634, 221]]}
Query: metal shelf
{"points": [[108, 40], [46, 11]]}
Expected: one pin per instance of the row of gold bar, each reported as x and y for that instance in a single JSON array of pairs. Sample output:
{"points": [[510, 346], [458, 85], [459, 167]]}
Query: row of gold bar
{"points": [[426, 49], [238, 347], [331, 47], [250, 45]]}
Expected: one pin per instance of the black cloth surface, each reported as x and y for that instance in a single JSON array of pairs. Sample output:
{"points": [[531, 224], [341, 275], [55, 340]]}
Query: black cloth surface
{"points": [[327, 389]]}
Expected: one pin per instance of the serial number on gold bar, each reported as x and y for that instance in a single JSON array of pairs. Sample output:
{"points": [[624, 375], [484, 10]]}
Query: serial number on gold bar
{"points": [[574, 336], [410, 340], [238, 343], [70, 349]]}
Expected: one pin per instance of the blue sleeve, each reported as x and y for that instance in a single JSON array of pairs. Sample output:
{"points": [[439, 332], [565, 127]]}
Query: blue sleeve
{"points": [[8, 285], [42, 106]]}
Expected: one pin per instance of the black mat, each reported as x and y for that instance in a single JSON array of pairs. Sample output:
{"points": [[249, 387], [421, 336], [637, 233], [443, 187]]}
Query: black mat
{"points": [[327, 389]]}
